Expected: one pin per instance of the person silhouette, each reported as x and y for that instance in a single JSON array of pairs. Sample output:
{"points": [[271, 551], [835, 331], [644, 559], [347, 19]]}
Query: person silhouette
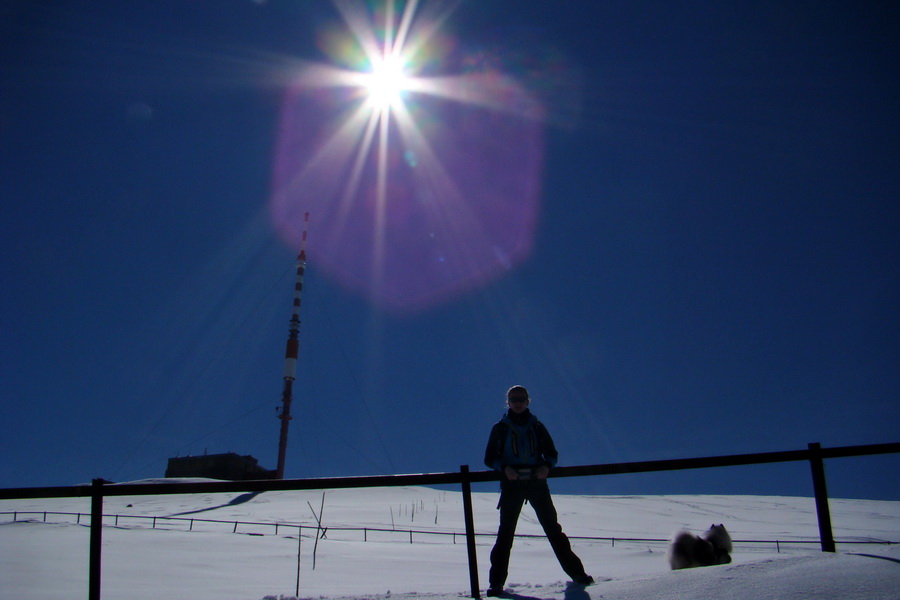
{"points": [[521, 449]]}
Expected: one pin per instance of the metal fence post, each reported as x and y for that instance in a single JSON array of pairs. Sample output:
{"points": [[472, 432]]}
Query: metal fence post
{"points": [[96, 539], [299, 548], [470, 530], [824, 514]]}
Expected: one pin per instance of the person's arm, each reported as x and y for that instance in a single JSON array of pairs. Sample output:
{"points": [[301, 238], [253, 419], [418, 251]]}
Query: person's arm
{"points": [[492, 456], [548, 450]]}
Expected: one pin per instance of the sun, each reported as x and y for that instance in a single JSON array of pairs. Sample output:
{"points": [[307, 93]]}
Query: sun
{"points": [[386, 82]]}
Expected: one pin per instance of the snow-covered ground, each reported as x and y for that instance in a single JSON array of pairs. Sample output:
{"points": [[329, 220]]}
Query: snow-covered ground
{"points": [[48, 560]]}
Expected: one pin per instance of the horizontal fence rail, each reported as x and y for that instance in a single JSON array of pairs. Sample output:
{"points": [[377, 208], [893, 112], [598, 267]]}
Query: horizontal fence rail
{"points": [[99, 488], [264, 485]]}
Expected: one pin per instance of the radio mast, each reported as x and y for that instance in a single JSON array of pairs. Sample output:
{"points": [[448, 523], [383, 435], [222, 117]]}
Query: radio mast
{"points": [[290, 356]]}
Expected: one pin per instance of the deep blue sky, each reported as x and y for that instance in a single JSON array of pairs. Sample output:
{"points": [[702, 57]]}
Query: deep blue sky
{"points": [[713, 268]]}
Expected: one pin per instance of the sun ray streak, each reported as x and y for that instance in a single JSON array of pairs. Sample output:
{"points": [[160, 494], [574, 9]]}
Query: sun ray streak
{"points": [[427, 24], [381, 199], [352, 185], [357, 22], [325, 76], [495, 92], [408, 11], [362, 154], [388, 44], [455, 217], [334, 150]]}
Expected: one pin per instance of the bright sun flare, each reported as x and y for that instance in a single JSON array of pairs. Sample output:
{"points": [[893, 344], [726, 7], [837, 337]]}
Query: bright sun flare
{"points": [[406, 181], [386, 82]]}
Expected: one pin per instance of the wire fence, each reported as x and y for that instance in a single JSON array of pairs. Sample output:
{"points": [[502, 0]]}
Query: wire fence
{"points": [[365, 533]]}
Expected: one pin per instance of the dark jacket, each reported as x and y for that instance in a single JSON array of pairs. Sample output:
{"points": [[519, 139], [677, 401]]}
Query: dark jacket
{"points": [[519, 440]]}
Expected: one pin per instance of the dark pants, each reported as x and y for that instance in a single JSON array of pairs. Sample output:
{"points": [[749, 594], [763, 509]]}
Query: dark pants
{"points": [[512, 495]]}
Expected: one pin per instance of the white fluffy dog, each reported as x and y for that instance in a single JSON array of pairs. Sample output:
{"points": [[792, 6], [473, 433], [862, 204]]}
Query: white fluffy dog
{"points": [[688, 550]]}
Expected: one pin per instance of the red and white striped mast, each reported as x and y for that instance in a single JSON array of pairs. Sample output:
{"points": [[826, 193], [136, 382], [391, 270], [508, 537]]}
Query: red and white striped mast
{"points": [[290, 356]]}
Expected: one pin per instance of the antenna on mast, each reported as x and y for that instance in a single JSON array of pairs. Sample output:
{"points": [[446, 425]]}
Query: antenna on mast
{"points": [[290, 355]]}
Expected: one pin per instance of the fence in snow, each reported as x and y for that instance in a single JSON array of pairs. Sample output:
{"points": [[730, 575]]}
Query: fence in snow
{"points": [[814, 453], [394, 534]]}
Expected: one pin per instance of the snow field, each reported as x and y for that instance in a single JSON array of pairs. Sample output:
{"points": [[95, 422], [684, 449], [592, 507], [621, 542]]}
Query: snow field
{"points": [[49, 560]]}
